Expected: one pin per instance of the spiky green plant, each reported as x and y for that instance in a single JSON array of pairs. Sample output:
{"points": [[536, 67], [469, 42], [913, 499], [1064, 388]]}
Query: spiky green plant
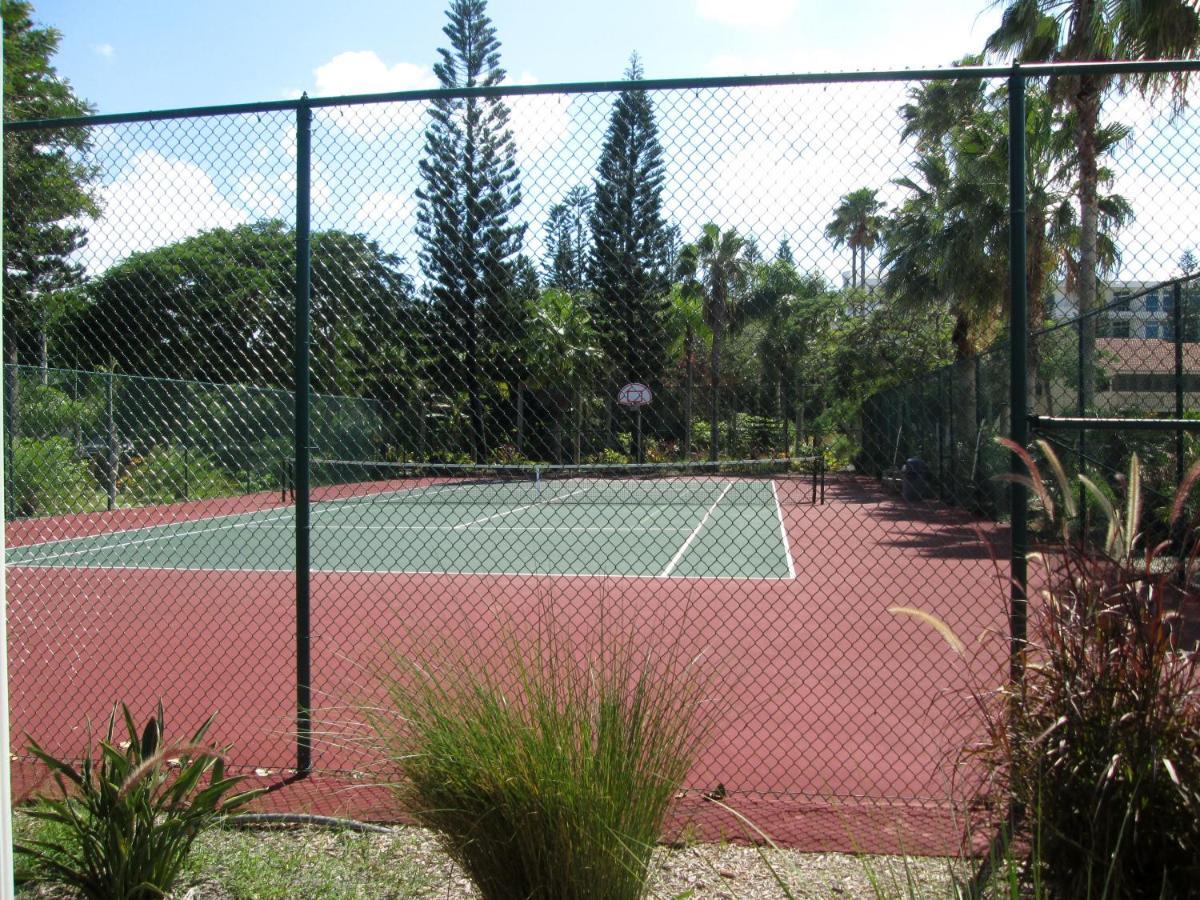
{"points": [[1100, 741], [127, 816], [547, 772]]}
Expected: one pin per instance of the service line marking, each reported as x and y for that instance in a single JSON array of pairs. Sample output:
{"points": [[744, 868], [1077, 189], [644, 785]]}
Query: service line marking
{"points": [[695, 531]]}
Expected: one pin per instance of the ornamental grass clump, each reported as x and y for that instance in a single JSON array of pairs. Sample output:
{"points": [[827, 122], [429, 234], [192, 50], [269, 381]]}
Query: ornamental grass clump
{"points": [[129, 813], [1099, 744], [550, 772]]}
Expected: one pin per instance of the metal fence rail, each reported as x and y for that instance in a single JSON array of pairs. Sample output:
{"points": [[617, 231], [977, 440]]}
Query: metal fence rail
{"points": [[259, 413]]}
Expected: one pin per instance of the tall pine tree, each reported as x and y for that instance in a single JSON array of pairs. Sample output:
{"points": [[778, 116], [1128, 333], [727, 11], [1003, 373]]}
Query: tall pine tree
{"points": [[630, 242], [469, 191], [567, 241]]}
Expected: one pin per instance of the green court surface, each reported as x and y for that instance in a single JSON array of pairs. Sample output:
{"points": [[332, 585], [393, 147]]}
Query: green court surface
{"points": [[712, 528]]}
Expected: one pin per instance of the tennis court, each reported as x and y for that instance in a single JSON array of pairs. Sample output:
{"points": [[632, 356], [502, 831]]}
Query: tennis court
{"points": [[690, 521]]}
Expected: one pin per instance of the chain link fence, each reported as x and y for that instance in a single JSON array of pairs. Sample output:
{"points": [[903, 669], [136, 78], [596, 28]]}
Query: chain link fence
{"points": [[650, 353]]}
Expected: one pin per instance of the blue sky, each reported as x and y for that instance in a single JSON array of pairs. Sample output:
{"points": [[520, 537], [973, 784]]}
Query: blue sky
{"points": [[126, 55], [771, 163]]}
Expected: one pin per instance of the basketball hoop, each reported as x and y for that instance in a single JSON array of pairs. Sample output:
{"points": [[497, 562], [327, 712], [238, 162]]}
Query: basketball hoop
{"points": [[634, 395]]}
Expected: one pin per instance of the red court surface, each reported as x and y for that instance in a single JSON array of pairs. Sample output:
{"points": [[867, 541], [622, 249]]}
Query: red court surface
{"points": [[840, 721]]}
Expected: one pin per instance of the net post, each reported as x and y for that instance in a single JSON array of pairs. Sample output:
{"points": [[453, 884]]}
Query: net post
{"points": [[1018, 392], [302, 436]]}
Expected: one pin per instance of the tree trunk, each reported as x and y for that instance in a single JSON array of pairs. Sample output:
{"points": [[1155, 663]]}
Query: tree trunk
{"points": [[43, 356], [610, 427], [578, 424], [687, 396], [1034, 277], [715, 382], [422, 427], [783, 415], [12, 397], [799, 419], [520, 416], [478, 437], [1087, 106]]}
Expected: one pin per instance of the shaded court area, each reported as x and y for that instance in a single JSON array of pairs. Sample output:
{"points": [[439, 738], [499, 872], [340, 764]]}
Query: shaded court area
{"points": [[838, 721]]}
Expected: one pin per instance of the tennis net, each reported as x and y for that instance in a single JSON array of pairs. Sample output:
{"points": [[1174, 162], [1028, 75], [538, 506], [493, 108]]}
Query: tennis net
{"points": [[792, 480]]}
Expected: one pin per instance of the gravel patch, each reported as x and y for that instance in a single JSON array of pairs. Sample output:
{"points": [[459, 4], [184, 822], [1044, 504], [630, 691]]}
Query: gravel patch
{"points": [[408, 863]]}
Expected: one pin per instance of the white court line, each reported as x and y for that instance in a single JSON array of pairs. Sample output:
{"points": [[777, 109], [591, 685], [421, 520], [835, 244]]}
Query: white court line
{"points": [[691, 537], [150, 540], [319, 571], [509, 512], [787, 547], [318, 527], [149, 527]]}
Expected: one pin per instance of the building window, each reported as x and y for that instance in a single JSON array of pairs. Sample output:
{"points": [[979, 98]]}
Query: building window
{"points": [[1118, 328], [1152, 303], [1168, 303], [1121, 302], [1152, 331], [1168, 331]]}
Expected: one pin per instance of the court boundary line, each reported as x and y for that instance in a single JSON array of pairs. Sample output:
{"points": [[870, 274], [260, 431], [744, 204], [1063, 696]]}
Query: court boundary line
{"points": [[318, 571], [59, 540], [531, 528], [148, 540], [695, 531], [787, 545]]}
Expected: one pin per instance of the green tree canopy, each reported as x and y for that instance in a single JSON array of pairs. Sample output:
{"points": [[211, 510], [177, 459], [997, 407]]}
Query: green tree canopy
{"points": [[218, 307], [47, 186]]}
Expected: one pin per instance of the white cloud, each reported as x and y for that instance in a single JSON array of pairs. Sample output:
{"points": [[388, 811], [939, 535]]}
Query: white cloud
{"points": [[538, 121], [746, 13], [363, 72], [155, 201], [108, 51], [384, 213], [903, 36], [265, 197]]}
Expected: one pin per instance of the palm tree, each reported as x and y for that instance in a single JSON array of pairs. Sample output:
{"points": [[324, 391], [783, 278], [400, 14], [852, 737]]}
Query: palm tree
{"points": [[716, 265], [689, 330], [962, 140], [564, 353], [1091, 30], [856, 223]]}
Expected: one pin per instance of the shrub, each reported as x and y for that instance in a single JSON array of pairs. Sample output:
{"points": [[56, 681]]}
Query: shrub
{"points": [[752, 436], [127, 817], [1100, 741], [47, 411], [607, 457], [553, 781], [46, 478], [167, 474]]}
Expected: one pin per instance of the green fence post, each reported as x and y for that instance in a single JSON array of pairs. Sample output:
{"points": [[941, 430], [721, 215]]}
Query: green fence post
{"points": [[1018, 389], [302, 429]]}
